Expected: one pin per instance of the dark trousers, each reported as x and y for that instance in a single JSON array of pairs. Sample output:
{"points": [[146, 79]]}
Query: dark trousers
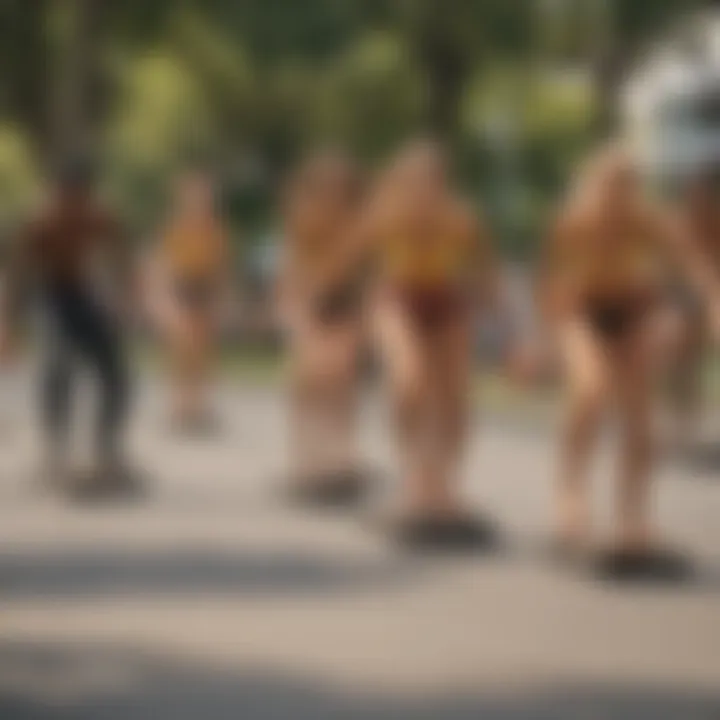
{"points": [[82, 329]]}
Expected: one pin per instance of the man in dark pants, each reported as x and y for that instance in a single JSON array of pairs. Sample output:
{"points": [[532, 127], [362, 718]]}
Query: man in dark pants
{"points": [[56, 254]]}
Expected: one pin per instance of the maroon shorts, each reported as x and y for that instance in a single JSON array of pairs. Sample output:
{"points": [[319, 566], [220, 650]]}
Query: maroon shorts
{"points": [[432, 308], [614, 318]]}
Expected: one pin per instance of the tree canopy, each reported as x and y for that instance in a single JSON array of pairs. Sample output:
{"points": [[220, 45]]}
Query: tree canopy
{"points": [[518, 88]]}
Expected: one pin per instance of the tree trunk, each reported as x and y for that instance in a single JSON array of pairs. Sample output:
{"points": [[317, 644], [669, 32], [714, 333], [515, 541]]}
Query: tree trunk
{"points": [[25, 69], [442, 59], [446, 74], [77, 103], [609, 75]]}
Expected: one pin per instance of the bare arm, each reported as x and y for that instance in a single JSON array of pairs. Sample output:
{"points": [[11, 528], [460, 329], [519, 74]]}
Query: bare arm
{"points": [[553, 292], [355, 252], [685, 249], [698, 269]]}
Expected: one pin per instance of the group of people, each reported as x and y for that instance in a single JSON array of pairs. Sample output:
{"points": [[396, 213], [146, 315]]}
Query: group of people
{"points": [[626, 283], [402, 264], [76, 259]]}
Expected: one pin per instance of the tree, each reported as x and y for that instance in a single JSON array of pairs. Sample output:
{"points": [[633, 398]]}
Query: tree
{"points": [[452, 39], [25, 70], [614, 34], [79, 37]]}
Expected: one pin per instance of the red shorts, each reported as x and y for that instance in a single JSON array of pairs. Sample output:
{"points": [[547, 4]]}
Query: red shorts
{"points": [[432, 308], [616, 317]]}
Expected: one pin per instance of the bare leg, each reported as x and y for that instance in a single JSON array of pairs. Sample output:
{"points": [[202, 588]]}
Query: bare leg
{"points": [[635, 385], [303, 431], [405, 358], [586, 371], [341, 410], [199, 365], [184, 367], [452, 366], [56, 397], [305, 405]]}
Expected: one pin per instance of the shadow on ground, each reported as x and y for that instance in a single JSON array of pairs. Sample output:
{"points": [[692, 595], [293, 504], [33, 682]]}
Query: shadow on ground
{"points": [[111, 572], [280, 574], [698, 459], [52, 683], [702, 457]]}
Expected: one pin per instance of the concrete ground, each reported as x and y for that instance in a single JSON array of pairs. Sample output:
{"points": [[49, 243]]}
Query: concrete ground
{"points": [[211, 599]]}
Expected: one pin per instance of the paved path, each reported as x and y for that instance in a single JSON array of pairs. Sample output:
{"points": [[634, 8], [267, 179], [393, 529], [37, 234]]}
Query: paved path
{"points": [[212, 600]]}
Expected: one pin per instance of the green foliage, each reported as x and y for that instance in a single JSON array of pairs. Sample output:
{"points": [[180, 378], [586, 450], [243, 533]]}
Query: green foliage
{"points": [[220, 63], [252, 84], [371, 97], [162, 117], [19, 179]]}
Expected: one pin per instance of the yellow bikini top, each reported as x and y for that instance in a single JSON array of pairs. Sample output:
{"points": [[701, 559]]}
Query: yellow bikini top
{"points": [[313, 257], [597, 266], [312, 251], [436, 259], [194, 248]]}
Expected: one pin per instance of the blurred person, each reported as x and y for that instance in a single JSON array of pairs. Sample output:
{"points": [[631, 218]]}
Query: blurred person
{"points": [[57, 255], [434, 269], [700, 213], [321, 301], [602, 290], [191, 278]]}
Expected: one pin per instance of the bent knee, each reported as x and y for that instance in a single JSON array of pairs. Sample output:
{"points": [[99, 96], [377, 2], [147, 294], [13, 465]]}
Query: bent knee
{"points": [[589, 394], [409, 388]]}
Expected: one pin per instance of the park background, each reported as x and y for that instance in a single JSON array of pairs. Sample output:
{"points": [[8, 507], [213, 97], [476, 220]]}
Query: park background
{"points": [[212, 598], [519, 89]]}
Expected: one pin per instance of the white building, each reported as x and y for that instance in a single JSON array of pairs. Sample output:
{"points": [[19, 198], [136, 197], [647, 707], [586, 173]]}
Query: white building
{"points": [[671, 104]]}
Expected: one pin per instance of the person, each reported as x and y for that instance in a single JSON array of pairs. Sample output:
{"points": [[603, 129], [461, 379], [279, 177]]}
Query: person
{"points": [[321, 302], [190, 273], [434, 269], [604, 277], [56, 253], [699, 210]]}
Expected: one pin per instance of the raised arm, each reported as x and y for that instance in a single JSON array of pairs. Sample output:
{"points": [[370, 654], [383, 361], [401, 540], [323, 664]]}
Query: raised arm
{"points": [[686, 251]]}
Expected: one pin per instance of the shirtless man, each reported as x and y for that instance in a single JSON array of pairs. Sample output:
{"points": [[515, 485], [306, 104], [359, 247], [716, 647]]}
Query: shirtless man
{"points": [[605, 275], [191, 272], [434, 269], [321, 301], [55, 255]]}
